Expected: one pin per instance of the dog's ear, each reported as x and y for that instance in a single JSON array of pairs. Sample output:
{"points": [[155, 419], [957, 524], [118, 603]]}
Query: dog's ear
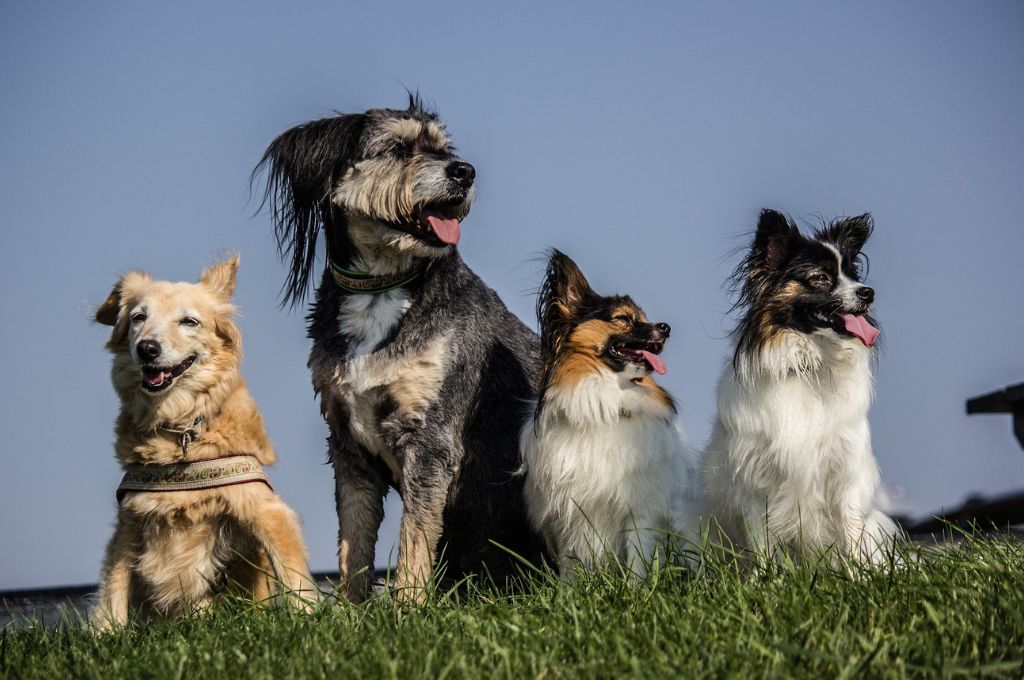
{"points": [[220, 278], [302, 167], [773, 240], [107, 312], [849, 233], [563, 292], [565, 286], [228, 331]]}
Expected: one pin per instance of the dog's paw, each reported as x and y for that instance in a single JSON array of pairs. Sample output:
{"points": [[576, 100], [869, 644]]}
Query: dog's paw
{"points": [[102, 622]]}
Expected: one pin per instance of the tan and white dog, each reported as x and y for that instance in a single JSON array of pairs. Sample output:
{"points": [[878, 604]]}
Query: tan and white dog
{"points": [[609, 479], [196, 512]]}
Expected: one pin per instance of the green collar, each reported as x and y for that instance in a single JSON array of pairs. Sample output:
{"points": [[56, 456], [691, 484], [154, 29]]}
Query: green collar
{"points": [[362, 282]]}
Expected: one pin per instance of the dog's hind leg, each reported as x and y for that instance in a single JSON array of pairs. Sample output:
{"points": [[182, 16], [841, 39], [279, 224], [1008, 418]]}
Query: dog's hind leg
{"points": [[275, 527], [116, 588], [359, 492], [251, 574]]}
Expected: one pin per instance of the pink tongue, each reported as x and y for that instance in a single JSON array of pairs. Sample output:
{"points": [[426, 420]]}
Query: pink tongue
{"points": [[860, 327], [446, 229], [655, 361]]}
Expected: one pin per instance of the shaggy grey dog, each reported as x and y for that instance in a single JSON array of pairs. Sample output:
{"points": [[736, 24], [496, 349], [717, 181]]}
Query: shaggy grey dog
{"points": [[422, 372]]}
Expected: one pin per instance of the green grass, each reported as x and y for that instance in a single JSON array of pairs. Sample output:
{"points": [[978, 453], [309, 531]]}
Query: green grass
{"points": [[955, 613]]}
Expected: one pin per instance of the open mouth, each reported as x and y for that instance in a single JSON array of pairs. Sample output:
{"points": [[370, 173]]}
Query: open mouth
{"points": [[436, 224], [852, 325], [159, 378], [641, 353]]}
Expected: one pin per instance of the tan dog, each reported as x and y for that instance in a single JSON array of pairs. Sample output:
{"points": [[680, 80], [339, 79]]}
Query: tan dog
{"points": [[185, 410]]}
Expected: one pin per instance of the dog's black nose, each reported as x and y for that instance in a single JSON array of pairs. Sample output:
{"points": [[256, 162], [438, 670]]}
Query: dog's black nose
{"points": [[148, 349], [665, 329], [866, 294], [462, 173]]}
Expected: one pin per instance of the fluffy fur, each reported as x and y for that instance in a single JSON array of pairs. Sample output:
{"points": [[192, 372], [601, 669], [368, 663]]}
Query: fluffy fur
{"points": [[789, 466], [176, 358], [421, 386], [607, 474]]}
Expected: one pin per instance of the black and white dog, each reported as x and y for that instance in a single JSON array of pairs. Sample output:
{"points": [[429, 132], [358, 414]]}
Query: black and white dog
{"points": [[421, 370], [789, 464]]}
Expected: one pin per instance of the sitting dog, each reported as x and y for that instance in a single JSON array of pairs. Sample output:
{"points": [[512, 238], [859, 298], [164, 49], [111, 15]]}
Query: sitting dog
{"points": [[607, 475], [789, 463], [420, 368], [195, 508]]}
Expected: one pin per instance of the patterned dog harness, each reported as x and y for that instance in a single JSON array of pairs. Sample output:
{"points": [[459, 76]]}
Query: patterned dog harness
{"points": [[203, 474]]}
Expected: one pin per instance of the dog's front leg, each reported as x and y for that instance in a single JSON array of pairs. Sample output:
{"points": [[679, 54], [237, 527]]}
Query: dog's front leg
{"points": [[760, 543], [111, 608], [359, 491], [644, 547], [425, 485], [867, 532], [870, 538]]}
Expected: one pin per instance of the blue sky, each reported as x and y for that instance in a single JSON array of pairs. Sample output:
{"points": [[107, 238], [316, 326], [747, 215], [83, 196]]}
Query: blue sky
{"points": [[640, 138]]}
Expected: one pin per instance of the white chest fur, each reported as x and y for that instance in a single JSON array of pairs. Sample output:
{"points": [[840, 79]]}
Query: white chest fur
{"points": [[411, 380], [366, 320], [606, 470], [806, 408], [790, 455]]}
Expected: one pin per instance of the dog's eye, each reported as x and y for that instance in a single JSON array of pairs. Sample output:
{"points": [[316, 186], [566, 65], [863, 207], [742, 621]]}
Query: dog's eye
{"points": [[820, 280], [189, 321], [138, 317], [622, 318], [396, 150]]}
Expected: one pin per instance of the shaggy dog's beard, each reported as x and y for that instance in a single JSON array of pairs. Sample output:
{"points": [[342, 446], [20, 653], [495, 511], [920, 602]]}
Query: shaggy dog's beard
{"points": [[383, 250]]}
